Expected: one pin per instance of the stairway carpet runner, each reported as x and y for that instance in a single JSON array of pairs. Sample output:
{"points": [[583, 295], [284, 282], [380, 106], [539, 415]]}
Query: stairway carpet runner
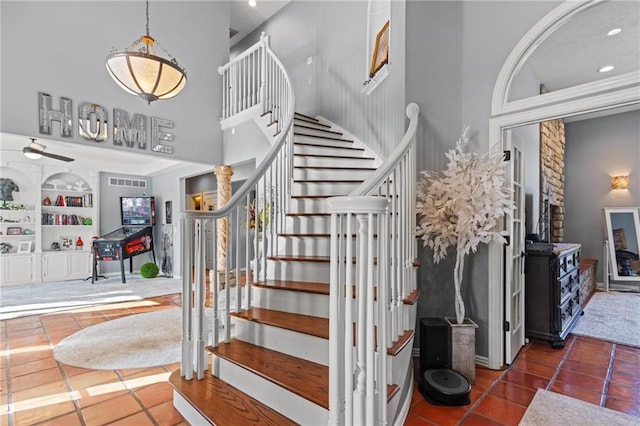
{"points": [[305, 378], [223, 404]]}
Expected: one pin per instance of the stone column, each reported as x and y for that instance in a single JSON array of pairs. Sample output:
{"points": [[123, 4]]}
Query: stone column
{"points": [[223, 177]]}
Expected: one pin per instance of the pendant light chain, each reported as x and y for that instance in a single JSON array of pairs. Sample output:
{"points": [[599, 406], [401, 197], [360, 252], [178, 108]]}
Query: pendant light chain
{"points": [[148, 19]]}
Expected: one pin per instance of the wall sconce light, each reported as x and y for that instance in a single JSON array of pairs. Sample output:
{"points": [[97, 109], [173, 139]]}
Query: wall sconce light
{"points": [[620, 182]]}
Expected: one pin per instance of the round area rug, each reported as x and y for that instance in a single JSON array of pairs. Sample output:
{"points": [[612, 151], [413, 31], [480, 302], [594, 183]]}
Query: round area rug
{"points": [[137, 341]]}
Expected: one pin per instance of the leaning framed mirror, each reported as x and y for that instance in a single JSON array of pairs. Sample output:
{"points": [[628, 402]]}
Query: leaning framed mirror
{"points": [[623, 229]]}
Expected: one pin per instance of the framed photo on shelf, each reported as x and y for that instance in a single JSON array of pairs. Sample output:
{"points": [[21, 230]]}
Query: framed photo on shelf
{"points": [[380, 51], [66, 243], [14, 230], [24, 247]]}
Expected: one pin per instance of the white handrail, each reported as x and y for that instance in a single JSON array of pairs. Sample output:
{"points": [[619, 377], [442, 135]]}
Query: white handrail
{"points": [[369, 298], [255, 202]]}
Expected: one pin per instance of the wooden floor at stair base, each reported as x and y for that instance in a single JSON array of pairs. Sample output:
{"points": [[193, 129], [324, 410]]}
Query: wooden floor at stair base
{"points": [[223, 404]]}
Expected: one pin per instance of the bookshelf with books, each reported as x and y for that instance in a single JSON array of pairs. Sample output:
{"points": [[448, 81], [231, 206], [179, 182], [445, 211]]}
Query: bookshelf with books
{"points": [[68, 222]]}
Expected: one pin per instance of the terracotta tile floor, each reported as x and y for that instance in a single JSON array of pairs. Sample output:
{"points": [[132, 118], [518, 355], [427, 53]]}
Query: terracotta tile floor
{"points": [[36, 390]]}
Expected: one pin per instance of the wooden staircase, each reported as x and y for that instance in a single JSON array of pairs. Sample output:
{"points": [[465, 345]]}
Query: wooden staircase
{"points": [[274, 371]]}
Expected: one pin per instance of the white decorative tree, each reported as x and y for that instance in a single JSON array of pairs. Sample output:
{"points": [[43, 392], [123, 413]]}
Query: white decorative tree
{"points": [[462, 206]]}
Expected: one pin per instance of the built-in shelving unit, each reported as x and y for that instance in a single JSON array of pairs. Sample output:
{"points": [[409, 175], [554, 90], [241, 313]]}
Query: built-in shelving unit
{"points": [[47, 228]]}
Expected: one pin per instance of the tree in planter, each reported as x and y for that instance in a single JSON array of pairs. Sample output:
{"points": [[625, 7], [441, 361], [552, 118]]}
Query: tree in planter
{"points": [[461, 207]]}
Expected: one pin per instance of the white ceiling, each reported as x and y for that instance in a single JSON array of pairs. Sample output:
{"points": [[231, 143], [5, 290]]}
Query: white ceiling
{"points": [[244, 18], [573, 53]]}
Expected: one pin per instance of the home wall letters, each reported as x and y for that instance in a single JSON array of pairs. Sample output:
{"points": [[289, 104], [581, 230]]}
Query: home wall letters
{"points": [[93, 124]]}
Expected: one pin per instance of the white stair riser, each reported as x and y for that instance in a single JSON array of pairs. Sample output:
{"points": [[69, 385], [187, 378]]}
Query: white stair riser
{"points": [[285, 402], [323, 188], [309, 246], [308, 205], [325, 150], [397, 365], [300, 345], [299, 160], [328, 174], [309, 224], [300, 270], [303, 303]]}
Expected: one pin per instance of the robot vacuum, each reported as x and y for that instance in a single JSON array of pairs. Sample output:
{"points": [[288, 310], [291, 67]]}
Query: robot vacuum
{"points": [[443, 386]]}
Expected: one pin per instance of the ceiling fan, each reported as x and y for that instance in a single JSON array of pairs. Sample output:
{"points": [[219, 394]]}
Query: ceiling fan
{"points": [[35, 150]]}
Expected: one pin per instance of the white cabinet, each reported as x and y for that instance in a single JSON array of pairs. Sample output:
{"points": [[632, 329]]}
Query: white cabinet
{"points": [[16, 268], [58, 266]]}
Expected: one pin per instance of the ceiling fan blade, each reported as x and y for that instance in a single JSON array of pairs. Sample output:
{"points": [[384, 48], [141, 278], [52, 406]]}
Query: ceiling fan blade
{"points": [[57, 157]]}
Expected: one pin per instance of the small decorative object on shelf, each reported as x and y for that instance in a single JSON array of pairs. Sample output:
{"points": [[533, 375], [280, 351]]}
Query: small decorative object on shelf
{"points": [[79, 243], [46, 201], [5, 248], [55, 246]]}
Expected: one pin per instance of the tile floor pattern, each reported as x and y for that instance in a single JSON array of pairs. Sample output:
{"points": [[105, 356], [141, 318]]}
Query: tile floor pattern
{"points": [[36, 390]]}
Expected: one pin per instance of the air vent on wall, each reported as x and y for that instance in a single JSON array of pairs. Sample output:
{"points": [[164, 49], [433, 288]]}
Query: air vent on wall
{"points": [[232, 32], [132, 183]]}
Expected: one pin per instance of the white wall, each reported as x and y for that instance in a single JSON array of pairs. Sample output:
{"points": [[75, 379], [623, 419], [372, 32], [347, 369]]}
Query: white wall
{"points": [[59, 47], [596, 150]]}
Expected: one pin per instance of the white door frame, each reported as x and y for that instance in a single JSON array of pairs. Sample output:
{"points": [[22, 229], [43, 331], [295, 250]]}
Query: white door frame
{"points": [[614, 92]]}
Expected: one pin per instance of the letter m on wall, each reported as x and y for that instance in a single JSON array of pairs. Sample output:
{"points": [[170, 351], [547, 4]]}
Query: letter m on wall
{"points": [[129, 132]]}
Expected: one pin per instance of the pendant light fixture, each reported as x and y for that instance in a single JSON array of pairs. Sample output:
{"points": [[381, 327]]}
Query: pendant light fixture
{"points": [[140, 71]]}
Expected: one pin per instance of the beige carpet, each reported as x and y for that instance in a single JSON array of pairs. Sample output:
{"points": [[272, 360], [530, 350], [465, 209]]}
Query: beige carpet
{"points": [[43, 298], [612, 316], [550, 409]]}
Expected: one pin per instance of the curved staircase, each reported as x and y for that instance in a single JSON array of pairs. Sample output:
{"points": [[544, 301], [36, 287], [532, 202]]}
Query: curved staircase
{"points": [[305, 338]]}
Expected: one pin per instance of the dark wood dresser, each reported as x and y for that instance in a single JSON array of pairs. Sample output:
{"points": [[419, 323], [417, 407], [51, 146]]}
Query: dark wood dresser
{"points": [[552, 291]]}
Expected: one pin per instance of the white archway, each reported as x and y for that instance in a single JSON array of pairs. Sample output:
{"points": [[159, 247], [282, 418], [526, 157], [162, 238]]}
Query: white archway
{"points": [[614, 92]]}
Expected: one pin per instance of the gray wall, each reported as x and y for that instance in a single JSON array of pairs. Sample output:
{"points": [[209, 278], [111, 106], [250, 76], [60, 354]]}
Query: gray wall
{"points": [[59, 47], [334, 36], [597, 149], [455, 51]]}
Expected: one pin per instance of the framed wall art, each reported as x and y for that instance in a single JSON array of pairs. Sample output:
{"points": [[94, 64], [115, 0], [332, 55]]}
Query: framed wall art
{"points": [[168, 212], [380, 50]]}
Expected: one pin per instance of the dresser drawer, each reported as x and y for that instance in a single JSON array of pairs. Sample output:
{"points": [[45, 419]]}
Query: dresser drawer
{"points": [[568, 283]]}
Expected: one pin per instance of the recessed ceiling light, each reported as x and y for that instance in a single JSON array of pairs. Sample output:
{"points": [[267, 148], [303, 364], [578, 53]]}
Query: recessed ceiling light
{"points": [[614, 32], [252, 3], [606, 68]]}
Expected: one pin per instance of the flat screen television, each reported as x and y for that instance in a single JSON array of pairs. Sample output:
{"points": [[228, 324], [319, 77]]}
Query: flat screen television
{"points": [[138, 211]]}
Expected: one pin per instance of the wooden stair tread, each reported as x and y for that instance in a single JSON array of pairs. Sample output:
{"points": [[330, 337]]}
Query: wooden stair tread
{"points": [[319, 145], [335, 168], [411, 298], [333, 156], [299, 286], [222, 404], [310, 214], [320, 259], [307, 324], [399, 344], [306, 117], [332, 138], [308, 379], [302, 126], [329, 181]]}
